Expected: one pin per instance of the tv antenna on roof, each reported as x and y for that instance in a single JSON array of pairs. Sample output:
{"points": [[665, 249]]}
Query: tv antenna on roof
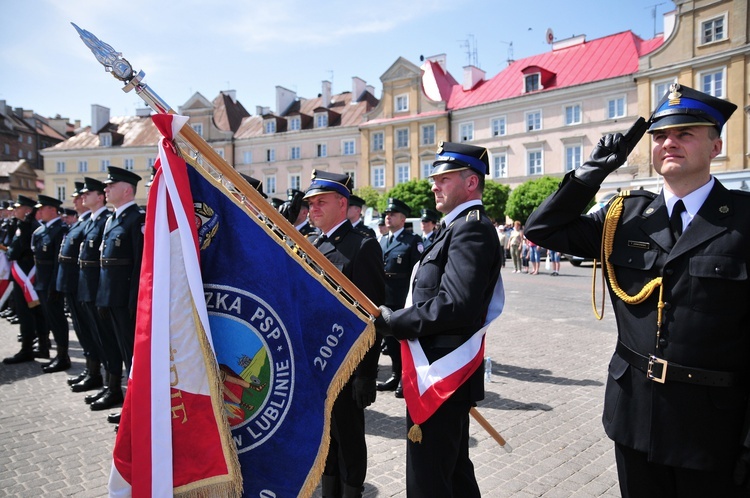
{"points": [[510, 52], [653, 14], [470, 45]]}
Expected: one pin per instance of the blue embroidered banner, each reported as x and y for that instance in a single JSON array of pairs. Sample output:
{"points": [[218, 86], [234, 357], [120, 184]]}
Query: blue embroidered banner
{"points": [[284, 341]]}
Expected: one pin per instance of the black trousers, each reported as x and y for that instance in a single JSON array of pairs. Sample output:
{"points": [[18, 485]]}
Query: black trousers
{"points": [[439, 466], [640, 478], [105, 337], [31, 322], [123, 323], [347, 453], [54, 312], [82, 328]]}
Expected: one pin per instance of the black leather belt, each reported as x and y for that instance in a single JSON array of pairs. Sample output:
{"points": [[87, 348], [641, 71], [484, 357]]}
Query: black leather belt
{"points": [[65, 259], [116, 262], [43, 262], [660, 370], [443, 341], [397, 275], [83, 263]]}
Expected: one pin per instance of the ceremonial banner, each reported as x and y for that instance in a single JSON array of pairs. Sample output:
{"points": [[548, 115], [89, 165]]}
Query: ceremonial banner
{"points": [[173, 437], [26, 282], [6, 285], [285, 342]]}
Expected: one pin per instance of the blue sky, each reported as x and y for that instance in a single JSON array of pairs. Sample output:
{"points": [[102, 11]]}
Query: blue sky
{"points": [[190, 46]]}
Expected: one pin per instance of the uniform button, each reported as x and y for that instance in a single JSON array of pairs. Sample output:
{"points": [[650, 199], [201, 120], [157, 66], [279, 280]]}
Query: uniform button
{"points": [[663, 343], [717, 269], [630, 260], [667, 306]]}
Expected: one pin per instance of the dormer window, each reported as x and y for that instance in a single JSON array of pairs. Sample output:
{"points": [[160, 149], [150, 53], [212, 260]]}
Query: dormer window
{"points": [[105, 139], [402, 103], [532, 82], [295, 124], [270, 126], [321, 120]]}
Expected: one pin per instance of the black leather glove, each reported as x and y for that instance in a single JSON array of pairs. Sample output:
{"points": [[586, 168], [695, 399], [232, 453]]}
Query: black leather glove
{"points": [[742, 469], [383, 321], [291, 208], [609, 154], [363, 391]]}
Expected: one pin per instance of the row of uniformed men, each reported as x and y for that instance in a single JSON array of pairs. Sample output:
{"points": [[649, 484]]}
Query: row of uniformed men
{"points": [[92, 265]]}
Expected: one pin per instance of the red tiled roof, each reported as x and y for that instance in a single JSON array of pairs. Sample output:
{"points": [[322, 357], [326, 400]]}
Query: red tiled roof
{"points": [[228, 113], [595, 60], [437, 83], [136, 132]]}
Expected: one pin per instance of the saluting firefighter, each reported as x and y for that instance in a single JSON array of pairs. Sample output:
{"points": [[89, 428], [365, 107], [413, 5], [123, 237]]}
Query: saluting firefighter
{"points": [[120, 259], [676, 402], [45, 242], [401, 251], [359, 258]]}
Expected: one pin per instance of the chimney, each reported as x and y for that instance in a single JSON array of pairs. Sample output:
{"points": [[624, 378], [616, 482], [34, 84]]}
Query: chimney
{"points": [[2, 107], [358, 87], [370, 89], [669, 22], [472, 76], [143, 112], [232, 94], [440, 59], [77, 124], [325, 96], [99, 117], [284, 99]]}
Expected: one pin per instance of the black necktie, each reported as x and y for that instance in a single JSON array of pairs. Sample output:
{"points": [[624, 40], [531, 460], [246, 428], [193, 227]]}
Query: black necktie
{"points": [[390, 240], [675, 220], [320, 240]]}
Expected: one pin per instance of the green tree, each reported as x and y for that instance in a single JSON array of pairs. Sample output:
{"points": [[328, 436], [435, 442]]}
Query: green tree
{"points": [[369, 194], [417, 194], [525, 198], [495, 198]]}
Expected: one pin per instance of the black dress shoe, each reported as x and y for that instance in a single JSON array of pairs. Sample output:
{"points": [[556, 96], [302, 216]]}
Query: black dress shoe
{"points": [[113, 418], [93, 397], [41, 353], [59, 364], [20, 357], [88, 383], [399, 391], [14, 320], [111, 399], [75, 379], [388, 385]]}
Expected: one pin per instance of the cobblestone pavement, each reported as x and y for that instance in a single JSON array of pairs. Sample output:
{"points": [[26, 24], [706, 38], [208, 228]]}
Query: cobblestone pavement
{"points": [[549, 359]]}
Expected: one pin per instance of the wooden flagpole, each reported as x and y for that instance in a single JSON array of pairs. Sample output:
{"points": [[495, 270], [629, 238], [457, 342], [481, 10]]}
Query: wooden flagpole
{"points": [[123, 71]]}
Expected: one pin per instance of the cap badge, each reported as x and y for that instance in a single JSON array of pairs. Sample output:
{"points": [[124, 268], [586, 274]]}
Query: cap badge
{"points": [[440, 147], [674, 94], [724, 209]]}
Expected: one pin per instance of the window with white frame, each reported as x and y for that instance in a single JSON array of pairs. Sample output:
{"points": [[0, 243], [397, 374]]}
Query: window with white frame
{"points": [[198, 128], [322, 150], [321, 120], [533, 120], [347, 148], [500, 165], [466, 132], [270, 155], [6, 149], [428, 134], [713, 30], [103, 165], [401, 103], [498, 126], [247, 157], [270, 126], [426, 168], [220, 152], [616, 107], [129, 164], [402, 138], [269, 184], [712, 82], [60, 166], [660, 90], [377, 141], [402, 173], [150, 163], [83, 166], [294, 152], [295, 181], [572, 114], [105, 139], [534, 162], [573, 156], [29, 154], [61, 192], [20, 154], [28, 140], [532, 82], [378, 176], [295, 124]]}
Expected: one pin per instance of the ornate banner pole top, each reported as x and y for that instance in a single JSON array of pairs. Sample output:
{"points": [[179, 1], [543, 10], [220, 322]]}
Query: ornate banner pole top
{"points": [[121, 69]]}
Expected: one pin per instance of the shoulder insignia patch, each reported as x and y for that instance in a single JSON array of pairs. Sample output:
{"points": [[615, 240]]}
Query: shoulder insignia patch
{"points": [[473, 215]]}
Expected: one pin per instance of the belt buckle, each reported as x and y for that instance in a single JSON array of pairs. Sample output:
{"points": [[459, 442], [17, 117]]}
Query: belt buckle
{"points": [[650, 372]]}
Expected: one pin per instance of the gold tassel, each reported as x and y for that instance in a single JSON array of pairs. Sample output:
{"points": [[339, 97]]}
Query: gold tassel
{"points": [[415, 434]]}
